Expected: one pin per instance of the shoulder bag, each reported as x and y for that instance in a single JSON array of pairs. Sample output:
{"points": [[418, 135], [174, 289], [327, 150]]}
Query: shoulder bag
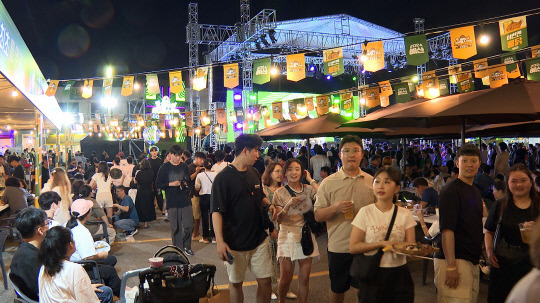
{"points": [[506, 253], [306, 241], [364, 268]]}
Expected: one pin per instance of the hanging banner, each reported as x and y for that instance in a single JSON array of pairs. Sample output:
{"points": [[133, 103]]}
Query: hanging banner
{"points": [[386, 88], [465, 83], [175, 82], [67, 88], [497, 76], [385, 101], [257, 113], [347, 101], [443, 87], [431, 88], [87, 89], [402, 92], [463, 42], [333, 61], [533, 69], [300, 107], [127, 85], [53, 86], [292, 107], [323, 104], [199, 83], [535, 51], [309, 104], [512, 68], [296, 67], [374, 53], [428, 75], [189, 119], [480, 68], [513, 33], [203, 116], [107, 87], [277, 110], [152, 84], [372, 97], [453, 71], [261, 71], [231, 75], [221, 116], [416, 50]]}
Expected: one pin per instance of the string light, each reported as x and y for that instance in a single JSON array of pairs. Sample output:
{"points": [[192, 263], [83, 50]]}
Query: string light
{"points": [[14, 93], [273, 71], [136, 86]]}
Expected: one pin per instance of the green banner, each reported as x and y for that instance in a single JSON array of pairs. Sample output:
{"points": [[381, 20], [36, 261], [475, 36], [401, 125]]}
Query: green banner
{"points": [[401, 91], [443, 87], [416, 50], [533, 69], [261, 71], [68, 87], [513, 33], [466, 85], [333, 62], [510, 61]]}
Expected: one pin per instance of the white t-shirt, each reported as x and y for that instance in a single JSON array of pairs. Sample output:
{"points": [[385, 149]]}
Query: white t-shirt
{"points": [[84, 243], [219, 167], [71, 284], [375, 224], [204, 182], [527, 290], [2, 173], [103, 186]]}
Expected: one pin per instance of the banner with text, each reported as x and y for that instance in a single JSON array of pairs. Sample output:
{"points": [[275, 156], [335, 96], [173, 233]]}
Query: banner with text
{"points": [[175, 82], [416, 50], [261, 71], [463, 42], [513, 33], [296, 67], [374, 53], [333, 61], [231, 75]]}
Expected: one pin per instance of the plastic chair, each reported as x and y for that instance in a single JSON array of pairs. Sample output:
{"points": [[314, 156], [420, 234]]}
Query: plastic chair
{"points": [[92, 269], [4, 234], [104, 235], [21, 297]]}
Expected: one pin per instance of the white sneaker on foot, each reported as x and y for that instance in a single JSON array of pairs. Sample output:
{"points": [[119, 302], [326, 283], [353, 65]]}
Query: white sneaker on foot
{"points": [[273, 297], [290, 295]]}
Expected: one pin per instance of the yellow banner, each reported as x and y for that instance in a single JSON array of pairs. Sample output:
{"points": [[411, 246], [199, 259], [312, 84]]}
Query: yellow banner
{"points": [[309, 104], [152, 84], [535, 51], [386, 88], [480, 68], [463, 42], [221, 116], [175, 82], [87, 89], [53, 86], [107, 87], [428, 75], [296, 67], [231, 75], [453, 72], [277, 110], [516, 73], [189, 119], [127, 85], [385, 101], [374, 53], [323, 105], [372, 97], [497, 76], [199, 83]]}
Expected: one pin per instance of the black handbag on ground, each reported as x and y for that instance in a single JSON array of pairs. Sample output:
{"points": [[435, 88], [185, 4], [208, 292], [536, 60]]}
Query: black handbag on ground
{"points": [[506, 253], [364, 268], [306, 241]]}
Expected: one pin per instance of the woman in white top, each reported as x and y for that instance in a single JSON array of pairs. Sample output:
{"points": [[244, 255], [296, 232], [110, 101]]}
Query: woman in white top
{"points": [[102, 181], [203, 184], [59, 183], [393, 282], [290, 221], [59, 279]]}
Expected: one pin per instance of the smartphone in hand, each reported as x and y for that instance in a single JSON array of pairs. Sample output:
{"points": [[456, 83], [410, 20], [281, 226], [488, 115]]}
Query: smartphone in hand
{"points": [[230, 258]]}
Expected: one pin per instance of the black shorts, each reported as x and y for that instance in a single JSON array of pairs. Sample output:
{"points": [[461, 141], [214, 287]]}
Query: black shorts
{"points": [[339, 266]]}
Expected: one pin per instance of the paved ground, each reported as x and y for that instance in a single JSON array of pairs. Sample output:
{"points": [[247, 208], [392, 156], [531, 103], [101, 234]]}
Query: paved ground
{"points": [[134, 255]]}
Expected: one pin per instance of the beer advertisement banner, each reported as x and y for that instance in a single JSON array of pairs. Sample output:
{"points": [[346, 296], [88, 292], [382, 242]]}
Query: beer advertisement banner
{"points": [[480, 68], [189, 119], [386, 88], [402, 92], [385, 101], [533, 69], [512, 68], [428, 75], [347, 101], [309, 104], [372, 97], [202, 116], [277, 110], [67, 88], [465, 83], [53, 86], [261, 71], [87, 88], [375, 56], [127, 85], [257, 113], [240, 115], [221, 116], [296, 67], [199, 83], [463, 42], [497, 76], [444, 89], [453, 71], [292, 107], [333, 61], [107, 87], [431, 88], [513, 33], [416, 50], [152, 84], [231, 75], [535, 51], [300, 107], [175, 82], [323, 105]]}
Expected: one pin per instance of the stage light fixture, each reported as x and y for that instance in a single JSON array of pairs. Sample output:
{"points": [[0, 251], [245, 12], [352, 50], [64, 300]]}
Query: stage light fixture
{"points": [[484, 39], [273, 71], [237, 96], [239, 125], [312, 68], [328, 77]]}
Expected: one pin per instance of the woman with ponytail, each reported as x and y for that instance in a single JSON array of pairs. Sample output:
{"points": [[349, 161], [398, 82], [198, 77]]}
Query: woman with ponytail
{"points": [[59, 182], [61, 280], [103, 183]]}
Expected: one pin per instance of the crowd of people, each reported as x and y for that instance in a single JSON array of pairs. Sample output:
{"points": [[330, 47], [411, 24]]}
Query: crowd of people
{"points": [[264, 208]]}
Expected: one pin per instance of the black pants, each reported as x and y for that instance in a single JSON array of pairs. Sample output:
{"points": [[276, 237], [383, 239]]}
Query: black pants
{"points": [[503, 279], [159, 198], [206, 216], [390, 285], [109, 276]]}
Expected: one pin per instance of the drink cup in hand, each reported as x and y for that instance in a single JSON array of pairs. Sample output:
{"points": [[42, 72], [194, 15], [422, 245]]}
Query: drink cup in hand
{"points": [[349, 215], [525, 229]]}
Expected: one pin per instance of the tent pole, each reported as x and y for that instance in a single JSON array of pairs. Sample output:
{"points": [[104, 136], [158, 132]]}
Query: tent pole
{"points": [[403, 155], [462, 131]]}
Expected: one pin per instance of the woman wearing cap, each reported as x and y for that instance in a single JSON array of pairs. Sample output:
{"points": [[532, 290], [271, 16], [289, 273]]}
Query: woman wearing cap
{"points": [[102, 182]]}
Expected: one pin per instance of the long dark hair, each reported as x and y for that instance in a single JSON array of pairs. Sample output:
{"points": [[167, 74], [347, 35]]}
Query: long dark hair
{"points": [[533, 194], [393, 174], [54, 249], [73, 220], [85, 191], [104, 169]]}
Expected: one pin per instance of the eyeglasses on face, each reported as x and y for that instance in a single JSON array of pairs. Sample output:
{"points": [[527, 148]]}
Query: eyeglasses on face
{"points": [[351, 151]]}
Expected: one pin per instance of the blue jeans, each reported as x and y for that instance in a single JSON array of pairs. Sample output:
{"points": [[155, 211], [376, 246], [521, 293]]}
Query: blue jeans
{"points": [[125, 224], [106, 296]]}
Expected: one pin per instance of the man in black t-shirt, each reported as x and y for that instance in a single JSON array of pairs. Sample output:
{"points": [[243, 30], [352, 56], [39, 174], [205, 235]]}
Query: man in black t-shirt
{"points": [[460, 214], [237, 198]]}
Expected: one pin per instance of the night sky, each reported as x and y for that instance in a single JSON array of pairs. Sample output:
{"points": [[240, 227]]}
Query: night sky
{"points": [[72, 39]]}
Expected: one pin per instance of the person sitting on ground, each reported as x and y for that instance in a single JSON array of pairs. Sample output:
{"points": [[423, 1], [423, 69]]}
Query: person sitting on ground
{"points": [[15, 196], [32, 223], [429, 196], [97, 214], [50, 203], [127, 219], [61, 280]]}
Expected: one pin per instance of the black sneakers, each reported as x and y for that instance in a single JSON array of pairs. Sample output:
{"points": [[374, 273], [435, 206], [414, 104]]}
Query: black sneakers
{"points": [[132, 233], [189, 252]]}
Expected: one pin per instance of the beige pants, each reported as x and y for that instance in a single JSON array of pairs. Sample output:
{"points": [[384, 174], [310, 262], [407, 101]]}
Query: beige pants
{"points": [[258, 261], [468, 286], [196, 208]]}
